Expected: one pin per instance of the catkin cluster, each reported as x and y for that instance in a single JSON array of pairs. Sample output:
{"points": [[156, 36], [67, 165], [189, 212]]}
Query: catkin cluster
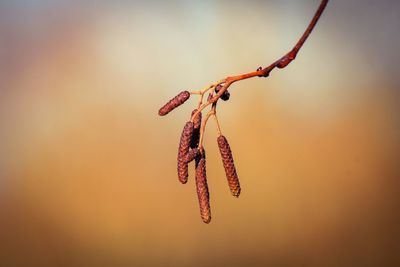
{"points": [[189, 149], [190, 145]]}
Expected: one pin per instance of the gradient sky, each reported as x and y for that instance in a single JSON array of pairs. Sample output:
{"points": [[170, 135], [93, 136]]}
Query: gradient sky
{"points": [[87, 167]]}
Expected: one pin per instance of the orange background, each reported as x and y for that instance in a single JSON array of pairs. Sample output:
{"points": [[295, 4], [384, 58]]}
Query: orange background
{"points": [[87, 167]]}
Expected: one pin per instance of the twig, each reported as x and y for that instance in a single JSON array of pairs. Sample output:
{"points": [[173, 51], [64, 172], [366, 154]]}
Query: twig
{"points": [[280, 63]]}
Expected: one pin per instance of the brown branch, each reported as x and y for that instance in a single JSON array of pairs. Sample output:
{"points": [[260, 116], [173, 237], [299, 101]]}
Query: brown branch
{"points": [[280, 63], [289, 57]]}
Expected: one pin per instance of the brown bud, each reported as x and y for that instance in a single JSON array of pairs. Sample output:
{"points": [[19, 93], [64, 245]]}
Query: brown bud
{"points": [[183, 151], [229, 166], [202, 188], [196, 132], [174, 102], [191, 155]]}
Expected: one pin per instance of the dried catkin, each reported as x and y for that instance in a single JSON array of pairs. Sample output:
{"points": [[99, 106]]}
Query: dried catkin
{"points": [[174, 102], [183, 151], [230, 170], [196, 132], [202, 188]]}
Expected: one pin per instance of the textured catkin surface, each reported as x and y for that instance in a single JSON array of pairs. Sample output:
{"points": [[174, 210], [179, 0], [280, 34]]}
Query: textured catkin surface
{"points": [[183, 150], [196, 132], [202, 188], [229, 166], [191, 155], [174, 102]]}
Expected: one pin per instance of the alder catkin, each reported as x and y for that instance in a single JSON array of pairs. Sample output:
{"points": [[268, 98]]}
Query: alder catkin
{"points": [[202, 187], [229, 166], [196, 132], [174, 102], [183, 151]]}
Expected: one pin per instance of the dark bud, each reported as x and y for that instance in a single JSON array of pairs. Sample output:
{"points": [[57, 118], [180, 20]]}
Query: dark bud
{"points": [[183, 151], [225, 96], [174, 102], [258, 69], [229, 166]]}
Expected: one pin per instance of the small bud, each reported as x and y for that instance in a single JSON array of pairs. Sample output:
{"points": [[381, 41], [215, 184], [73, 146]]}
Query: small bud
{"points": [[183, 151], [225, 96], [202, 188], [174, 102], [286, 59], [229, 166]]}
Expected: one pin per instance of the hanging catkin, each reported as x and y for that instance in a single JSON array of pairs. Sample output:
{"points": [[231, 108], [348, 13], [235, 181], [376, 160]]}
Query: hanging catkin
{"points": [[229, 166], [202, 188]]}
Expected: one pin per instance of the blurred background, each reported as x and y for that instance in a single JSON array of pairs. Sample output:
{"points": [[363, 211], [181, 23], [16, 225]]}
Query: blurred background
{"points": [[88, 168]]}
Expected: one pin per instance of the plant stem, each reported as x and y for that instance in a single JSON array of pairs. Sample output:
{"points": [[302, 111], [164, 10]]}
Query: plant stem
{"points": [[280, 63]]}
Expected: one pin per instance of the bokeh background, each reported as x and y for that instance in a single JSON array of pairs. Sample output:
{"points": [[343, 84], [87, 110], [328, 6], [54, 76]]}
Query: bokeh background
{"points": [[87, 167]]}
